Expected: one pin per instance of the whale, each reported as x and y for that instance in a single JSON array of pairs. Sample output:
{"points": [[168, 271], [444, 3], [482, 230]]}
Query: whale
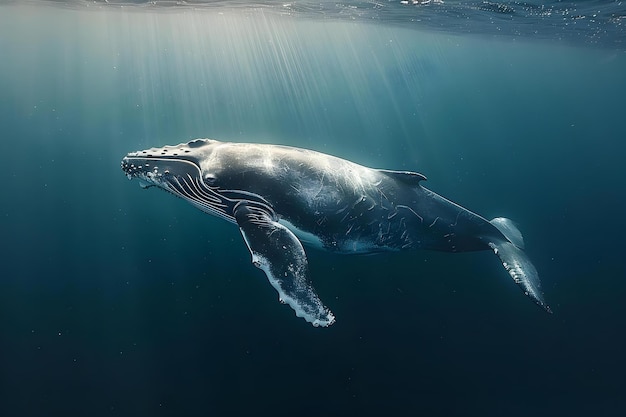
{"points": [[284, 198]]}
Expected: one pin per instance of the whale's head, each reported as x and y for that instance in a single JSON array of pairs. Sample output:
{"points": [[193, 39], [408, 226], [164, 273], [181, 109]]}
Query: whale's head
{"points": [[178, 169]]}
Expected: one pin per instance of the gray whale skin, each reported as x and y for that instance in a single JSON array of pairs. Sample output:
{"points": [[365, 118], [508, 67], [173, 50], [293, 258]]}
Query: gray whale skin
{"points": [[281, 197]]}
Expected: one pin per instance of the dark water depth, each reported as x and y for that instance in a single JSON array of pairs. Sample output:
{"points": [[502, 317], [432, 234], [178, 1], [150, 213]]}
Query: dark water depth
{"points": [[120, 301]]}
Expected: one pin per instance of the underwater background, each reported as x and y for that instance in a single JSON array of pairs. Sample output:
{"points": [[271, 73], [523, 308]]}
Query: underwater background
{"points": [[118, 301]]}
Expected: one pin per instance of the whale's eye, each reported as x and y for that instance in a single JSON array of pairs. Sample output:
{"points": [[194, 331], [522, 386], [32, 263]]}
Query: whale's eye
{"points": [[209, 178]]}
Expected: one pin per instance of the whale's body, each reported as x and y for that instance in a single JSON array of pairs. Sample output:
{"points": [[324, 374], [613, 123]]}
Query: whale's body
{"points": [[281, 196]]}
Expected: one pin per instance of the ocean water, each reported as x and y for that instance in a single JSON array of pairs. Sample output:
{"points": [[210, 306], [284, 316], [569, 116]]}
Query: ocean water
{"points": [[118, 301]]}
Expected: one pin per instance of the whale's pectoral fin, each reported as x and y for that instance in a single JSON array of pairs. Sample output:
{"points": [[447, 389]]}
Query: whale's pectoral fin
{"points": [[521, 270], [277, 251]]}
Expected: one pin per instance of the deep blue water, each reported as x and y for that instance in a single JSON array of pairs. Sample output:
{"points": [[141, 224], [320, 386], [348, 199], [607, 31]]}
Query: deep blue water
{"points": [[120, 301]]}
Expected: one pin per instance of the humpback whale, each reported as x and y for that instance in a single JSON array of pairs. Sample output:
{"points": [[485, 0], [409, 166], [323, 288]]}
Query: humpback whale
{"points": [[281, 197]]}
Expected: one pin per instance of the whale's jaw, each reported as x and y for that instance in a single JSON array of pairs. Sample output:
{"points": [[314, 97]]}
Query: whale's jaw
{"points": [[177, 169]]}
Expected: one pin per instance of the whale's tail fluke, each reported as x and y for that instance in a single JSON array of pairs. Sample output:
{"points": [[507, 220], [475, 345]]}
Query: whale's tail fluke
{"points": [[515, 260]]}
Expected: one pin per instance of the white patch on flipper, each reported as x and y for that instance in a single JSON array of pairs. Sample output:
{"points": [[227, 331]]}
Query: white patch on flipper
{"points": [[263, 264]]}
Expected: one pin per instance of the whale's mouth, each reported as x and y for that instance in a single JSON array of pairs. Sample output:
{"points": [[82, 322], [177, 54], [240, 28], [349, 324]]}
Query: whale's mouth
{"points": [[179, 175], [178, 170]]}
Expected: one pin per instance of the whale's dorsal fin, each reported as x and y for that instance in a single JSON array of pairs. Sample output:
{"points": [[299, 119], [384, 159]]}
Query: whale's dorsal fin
{"points": [[407, 177], [277, 251]]}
